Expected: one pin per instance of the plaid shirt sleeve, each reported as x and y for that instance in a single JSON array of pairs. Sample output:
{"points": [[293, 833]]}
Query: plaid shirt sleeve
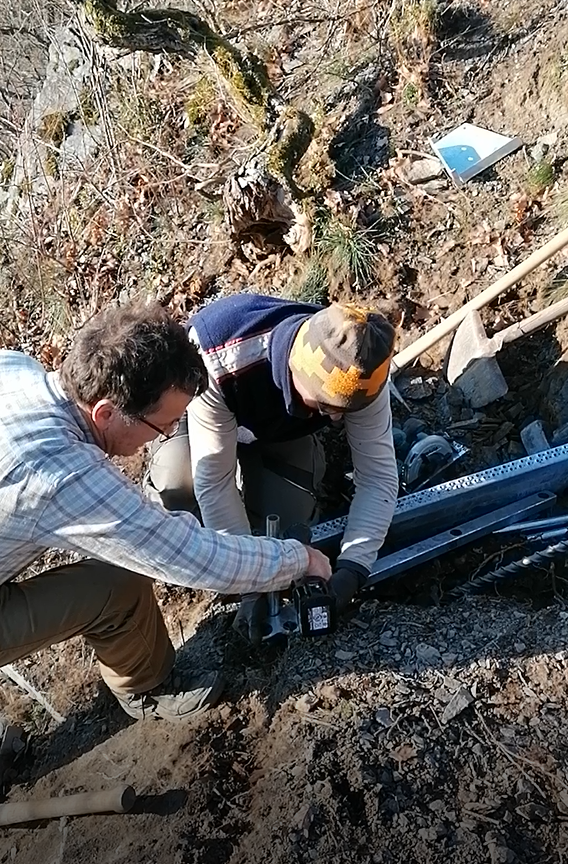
{"points": [[94, 510]]}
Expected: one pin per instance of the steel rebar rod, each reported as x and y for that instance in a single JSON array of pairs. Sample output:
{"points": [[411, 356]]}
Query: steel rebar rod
{"points": [[541, 558]]}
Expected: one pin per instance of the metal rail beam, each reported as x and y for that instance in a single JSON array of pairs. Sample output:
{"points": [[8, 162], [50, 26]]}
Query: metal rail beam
{"points": [[425, 550], [442, 507]]}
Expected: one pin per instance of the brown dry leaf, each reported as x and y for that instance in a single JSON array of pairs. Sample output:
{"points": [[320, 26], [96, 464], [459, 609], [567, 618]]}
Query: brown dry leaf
{"points": [[299, 235], [69, 256], [94, 232], [223, 125], [306, 703], [123, 212], [381, 85], [422, 314], [501, 321], [238, 769], [521, 206], [500, 258], [481, 234], [447, 247], [307, 821], [304, 818], [179, 305], [536, 753], [50, 352], [240, 268], [329, 692], [398, 168], [465, 283], [562, 802], [403, 753], [335, 201], [257, 775], [274, 65], [143, 190], [517, 240]]}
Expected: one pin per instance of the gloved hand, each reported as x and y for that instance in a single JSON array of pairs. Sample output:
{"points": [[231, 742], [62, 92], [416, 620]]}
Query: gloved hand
{"points": [[251, 616], [345, 581]]}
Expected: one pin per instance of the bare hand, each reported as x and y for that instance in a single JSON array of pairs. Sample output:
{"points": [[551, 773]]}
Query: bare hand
{"points": [[318, 564]]}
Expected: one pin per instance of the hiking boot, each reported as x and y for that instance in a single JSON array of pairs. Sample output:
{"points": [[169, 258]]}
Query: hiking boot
{"points": [[180, 697], [251, 618], [344, 585]]}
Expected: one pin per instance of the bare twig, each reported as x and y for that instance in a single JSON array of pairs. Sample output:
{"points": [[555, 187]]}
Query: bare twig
{"points": [[12, 673], [517, 760]]}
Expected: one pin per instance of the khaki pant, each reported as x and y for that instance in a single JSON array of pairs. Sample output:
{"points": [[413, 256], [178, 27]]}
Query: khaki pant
{"points": [[276, 478], [114, 609]]}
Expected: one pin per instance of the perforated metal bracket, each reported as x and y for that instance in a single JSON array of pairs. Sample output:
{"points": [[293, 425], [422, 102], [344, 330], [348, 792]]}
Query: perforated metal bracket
{"points": [[442, 507]]}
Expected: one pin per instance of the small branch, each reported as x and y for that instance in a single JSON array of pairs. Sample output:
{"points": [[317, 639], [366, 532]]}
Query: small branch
{"points": [[160, 152], [10, 672], [11, 127], [516, 760]]}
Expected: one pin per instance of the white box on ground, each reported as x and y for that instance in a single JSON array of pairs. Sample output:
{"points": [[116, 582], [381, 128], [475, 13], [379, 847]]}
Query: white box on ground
{"points": [[468, 150]]}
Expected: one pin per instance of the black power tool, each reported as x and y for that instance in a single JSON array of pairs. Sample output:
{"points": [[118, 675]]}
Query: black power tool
{"points": [[315, 607], [313, 610]]}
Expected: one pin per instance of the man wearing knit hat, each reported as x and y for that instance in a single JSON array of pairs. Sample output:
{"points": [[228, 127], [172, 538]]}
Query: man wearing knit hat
{"points": [[280, 371]]}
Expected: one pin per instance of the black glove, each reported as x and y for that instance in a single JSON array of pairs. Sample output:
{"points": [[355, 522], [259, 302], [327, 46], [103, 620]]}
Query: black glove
{"points": [[250, 620], [345, 581], [298, 531]]}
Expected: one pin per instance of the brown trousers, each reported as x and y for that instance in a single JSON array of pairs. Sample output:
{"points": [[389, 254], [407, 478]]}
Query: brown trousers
{"points": [[114, 609]]}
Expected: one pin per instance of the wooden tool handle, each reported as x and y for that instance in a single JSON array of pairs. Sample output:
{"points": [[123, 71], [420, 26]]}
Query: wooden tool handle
{"points": [[117, 800], [533, 322], [447, 325]]}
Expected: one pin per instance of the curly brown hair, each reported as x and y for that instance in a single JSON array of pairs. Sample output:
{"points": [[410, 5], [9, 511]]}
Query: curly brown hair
{"points": [[132, 355]]}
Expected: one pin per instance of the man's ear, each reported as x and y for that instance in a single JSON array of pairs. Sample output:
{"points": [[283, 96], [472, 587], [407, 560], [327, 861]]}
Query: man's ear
{"points": [[102, 414]]}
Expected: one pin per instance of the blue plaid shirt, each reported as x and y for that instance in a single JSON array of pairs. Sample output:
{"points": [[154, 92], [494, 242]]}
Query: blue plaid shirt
{"points": [[59, 490]]}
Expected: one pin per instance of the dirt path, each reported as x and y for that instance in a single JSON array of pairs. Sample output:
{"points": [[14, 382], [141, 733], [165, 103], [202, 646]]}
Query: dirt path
{"points": [[413, 735]]}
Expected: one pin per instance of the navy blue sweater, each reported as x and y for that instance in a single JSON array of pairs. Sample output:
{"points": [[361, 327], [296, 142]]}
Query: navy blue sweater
{"points": [[246, 341]]}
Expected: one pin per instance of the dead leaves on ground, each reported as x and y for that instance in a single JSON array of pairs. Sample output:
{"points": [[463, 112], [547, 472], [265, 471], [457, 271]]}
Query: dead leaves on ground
{"points": [[404, 753]]}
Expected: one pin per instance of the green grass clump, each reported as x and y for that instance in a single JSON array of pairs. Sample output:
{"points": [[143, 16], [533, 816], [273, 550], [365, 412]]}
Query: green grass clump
{"points": [[312, 286], [88, 111], [52, 127], [413, 19], [540, 176], [349, 251], [410, 95], [198, 106]]}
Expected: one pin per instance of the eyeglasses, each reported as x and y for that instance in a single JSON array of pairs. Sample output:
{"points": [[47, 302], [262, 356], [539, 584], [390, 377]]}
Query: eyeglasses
{"points": [[329, 410], [173, 427]]}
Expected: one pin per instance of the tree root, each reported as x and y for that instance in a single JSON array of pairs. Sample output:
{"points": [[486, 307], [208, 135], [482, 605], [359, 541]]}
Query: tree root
{"points": [[259, 198]]}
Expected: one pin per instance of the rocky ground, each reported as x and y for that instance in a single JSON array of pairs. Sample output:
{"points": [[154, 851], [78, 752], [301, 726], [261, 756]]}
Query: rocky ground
{"points": [[426, 729], [415, 734]]}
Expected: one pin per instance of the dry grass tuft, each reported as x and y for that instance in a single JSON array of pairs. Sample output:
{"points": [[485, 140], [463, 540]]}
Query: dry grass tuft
{"points": [[413, 25]]}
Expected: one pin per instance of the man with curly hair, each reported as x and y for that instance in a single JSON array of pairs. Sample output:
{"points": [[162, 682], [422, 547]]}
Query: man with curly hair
{"points": [[128, 378]]}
